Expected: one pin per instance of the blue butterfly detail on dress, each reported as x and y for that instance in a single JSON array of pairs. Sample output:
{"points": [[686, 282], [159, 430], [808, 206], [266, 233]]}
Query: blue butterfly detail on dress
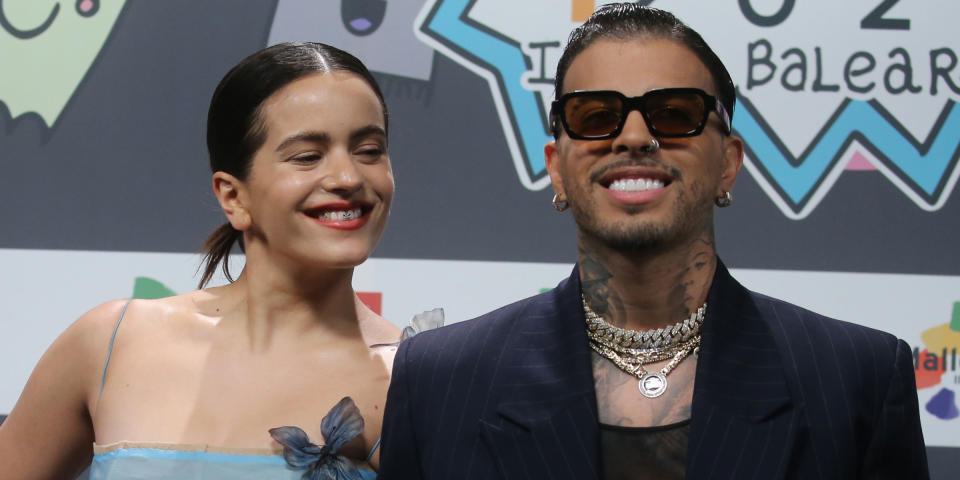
{"points": [[420, 322], [342, 424]]}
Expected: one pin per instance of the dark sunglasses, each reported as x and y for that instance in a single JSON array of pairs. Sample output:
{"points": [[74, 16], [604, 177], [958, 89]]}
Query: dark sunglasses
{"points": [[668, 112]]}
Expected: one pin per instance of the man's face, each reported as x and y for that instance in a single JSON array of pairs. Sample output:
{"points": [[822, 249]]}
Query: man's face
{"points": [[614, 185]]}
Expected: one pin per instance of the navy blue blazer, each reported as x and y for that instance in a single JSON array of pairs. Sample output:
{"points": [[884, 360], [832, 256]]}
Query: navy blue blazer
{"points": [[779, 392]]}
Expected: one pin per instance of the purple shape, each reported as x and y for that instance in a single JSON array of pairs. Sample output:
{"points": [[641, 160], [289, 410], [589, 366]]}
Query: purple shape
{"points": [[361, 24], [943, 405]]}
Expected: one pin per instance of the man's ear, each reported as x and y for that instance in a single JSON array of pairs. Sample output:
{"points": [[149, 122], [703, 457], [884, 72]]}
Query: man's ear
{"points": [[732, 161], [232, 196], [552, 160]]}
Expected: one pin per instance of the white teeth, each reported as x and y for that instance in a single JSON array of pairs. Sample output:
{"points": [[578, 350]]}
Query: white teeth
{"points": [[339, 215], [635, 185]]}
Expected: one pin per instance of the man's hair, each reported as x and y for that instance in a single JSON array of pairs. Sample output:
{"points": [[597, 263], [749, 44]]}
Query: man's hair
{"points": [[629, 21]]}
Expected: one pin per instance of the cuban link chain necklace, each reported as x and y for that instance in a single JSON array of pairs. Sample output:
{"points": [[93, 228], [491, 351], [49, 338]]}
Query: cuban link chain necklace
{"points": [[629, 350]]}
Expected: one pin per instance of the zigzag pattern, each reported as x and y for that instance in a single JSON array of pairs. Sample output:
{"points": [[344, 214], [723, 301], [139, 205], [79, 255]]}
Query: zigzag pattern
{"points": [[926, 171], [501, 61]]}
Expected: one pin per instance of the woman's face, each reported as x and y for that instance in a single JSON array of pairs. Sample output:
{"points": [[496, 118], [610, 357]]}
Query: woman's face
{"points": [[320, 186]]}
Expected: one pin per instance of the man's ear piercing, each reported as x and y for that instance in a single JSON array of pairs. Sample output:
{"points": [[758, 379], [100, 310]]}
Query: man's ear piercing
{"points": [[724, 200], [558, 204]]}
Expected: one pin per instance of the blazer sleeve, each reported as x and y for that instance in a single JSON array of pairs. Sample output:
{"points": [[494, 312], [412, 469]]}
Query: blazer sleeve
{"points": [[399, 451], [897, 450]]}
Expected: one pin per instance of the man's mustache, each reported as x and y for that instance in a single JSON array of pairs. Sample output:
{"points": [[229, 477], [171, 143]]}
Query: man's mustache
{"points": [[635, 161]]}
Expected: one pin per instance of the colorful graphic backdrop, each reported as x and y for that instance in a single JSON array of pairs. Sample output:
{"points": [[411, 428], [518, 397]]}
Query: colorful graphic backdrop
{"points": [[847, 205]]}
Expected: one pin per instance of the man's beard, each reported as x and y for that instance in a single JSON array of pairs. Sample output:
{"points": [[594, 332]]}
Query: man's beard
{"points": [[634, 236]]}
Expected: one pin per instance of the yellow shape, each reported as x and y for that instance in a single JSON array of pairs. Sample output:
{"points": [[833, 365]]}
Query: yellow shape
{"points": [[581, 10], [940, 337]]}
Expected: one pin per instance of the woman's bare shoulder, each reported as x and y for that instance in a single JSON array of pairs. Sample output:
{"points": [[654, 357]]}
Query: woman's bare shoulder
{"points": [[93, 328], [148, 314]]}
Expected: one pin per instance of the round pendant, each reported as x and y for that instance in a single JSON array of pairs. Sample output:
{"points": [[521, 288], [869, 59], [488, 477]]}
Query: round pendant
{"points": [[653, 384]]}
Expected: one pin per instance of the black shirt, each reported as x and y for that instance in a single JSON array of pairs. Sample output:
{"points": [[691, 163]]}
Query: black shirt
{"points": [[638, 453]]}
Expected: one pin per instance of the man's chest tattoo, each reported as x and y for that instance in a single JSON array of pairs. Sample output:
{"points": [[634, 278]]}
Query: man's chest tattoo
{"points": [[620, 403]]}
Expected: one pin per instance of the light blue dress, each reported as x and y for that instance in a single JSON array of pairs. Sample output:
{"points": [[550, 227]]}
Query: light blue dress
{"points": [[145, 461], [301, 460]]}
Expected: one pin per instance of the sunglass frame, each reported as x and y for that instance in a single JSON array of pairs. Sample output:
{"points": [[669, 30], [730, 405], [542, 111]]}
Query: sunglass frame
{"points": [[710, 103]]}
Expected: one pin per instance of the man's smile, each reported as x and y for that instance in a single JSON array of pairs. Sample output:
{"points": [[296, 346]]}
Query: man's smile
{"points": [[635, 184]]}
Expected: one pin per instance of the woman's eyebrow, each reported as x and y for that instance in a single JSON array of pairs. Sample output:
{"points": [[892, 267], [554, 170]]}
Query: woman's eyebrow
{"points": [[312, 136], [366, 132]]}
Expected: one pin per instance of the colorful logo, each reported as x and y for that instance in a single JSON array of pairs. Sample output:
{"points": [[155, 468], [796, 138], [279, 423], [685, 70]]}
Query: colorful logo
{"points": [[937, 365], [46, 49], [811, 108], [376, 31]]}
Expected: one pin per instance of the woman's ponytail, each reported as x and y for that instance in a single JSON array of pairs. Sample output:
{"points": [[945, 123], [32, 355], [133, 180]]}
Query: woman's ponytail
{"points": [[217, 249]]}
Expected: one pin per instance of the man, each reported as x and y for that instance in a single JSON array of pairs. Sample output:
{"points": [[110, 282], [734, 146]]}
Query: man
{"points": [[581, 382]]}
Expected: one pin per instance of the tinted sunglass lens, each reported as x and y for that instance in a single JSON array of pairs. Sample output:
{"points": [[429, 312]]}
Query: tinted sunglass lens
{"points": [[672, 113], [593, 115]]}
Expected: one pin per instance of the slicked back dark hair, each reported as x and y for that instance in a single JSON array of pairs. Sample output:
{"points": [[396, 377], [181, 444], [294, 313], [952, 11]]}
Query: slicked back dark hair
{"points": [[631, 21], [236, 128]]}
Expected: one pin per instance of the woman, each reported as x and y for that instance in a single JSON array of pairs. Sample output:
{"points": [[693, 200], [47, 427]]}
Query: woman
{"points": [[210, 384]]}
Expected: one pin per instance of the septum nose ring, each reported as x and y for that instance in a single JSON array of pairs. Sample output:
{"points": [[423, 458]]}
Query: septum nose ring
{"points": [[651, 147]]}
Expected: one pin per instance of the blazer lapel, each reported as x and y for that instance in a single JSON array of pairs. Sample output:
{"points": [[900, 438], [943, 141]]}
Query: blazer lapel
{"points": [[544, 424], [743, 421]]}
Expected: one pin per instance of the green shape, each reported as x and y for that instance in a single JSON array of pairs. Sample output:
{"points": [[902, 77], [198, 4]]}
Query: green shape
{"points": [[147, 288], [40, 71], [955, 322], [545, 290]]}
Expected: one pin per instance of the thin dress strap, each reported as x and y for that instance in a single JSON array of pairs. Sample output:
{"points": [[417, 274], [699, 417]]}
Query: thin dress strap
{"points": [[374, 449], [113, 338]]}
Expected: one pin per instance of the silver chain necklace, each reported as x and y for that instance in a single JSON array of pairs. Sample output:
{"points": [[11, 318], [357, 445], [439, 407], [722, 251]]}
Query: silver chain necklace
{"points": [[674, 334], [621, 347]]}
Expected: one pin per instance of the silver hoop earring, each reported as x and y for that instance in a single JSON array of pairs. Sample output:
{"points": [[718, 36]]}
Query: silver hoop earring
{"points": [[559, 205], [652, 147], [724, 200]]}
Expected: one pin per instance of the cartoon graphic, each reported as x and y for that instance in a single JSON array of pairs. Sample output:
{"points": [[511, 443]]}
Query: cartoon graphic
{"points": [[377, 31], [362, 17], [925, 171], [867, 127], [513, 58], [46, 49], [932, 363]]}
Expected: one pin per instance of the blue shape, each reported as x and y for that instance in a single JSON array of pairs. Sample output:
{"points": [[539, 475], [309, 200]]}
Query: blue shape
{"points": [[924, 166], [943, 405], [502, 56], [361, 24]]}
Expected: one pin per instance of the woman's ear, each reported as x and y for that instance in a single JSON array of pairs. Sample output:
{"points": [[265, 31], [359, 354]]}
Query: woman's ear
{"points": [[232, 197]]}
